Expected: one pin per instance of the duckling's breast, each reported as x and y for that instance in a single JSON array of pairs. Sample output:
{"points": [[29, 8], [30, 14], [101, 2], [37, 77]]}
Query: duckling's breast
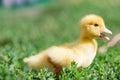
{"points": [[85, 54]]}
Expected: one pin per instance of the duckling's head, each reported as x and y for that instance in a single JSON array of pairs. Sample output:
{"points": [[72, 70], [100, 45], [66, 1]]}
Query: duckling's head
{"points": [[92, 26]]}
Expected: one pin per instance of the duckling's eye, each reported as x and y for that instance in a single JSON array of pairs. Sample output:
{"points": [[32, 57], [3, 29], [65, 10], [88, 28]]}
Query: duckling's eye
{"points": [[96, 25]]}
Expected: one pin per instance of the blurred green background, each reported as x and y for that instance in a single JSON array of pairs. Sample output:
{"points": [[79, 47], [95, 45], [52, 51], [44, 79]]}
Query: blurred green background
{"points": [[26, 30]]}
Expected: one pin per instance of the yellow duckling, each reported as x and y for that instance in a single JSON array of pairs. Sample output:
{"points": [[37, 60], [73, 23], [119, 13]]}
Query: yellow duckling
{"points": [[82, 51]]}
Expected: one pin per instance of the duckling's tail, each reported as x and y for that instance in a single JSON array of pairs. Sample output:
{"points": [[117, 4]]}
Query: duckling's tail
{"points": [[33, 62], [38, 61], [26, 60]]}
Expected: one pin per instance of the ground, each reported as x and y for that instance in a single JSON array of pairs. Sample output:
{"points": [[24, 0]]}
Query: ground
{"points": [[24, 33]]}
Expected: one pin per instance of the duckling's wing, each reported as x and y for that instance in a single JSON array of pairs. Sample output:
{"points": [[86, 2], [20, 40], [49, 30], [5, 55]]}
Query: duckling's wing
{"points": [[60, 56]]}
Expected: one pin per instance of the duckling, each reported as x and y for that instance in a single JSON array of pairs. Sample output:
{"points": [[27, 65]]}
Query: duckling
{"points": [[82, 51]]}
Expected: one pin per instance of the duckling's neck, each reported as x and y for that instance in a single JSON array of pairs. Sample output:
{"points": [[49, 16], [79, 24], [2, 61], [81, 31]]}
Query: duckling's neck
{"points": [[88, 40]]}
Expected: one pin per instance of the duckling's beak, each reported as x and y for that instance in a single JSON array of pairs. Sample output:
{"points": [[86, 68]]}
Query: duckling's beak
{"points": [[105, 30]]}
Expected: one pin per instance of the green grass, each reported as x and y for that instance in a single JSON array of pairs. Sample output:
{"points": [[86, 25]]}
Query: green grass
{"points": [[23, 33]]}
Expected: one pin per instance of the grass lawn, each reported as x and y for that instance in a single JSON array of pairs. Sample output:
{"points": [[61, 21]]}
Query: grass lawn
{"points": [[27, 31]]}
